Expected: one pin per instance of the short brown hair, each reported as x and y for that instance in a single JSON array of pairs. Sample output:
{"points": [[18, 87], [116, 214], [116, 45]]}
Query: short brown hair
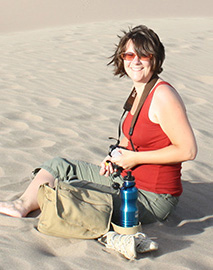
{"points": [[146, 42]]}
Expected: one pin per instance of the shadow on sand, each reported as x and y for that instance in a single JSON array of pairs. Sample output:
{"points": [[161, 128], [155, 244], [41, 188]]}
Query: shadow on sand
{"points": [[192, 216]]}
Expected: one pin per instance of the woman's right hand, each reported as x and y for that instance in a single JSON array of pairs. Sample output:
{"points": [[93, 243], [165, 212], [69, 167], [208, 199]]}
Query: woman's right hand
{"points": [[106, 167]]}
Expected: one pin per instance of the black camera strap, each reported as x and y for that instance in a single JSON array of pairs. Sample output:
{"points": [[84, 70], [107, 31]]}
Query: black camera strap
{"points": [[128, 105]]}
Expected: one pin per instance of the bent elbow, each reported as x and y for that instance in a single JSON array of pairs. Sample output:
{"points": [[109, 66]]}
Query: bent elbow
{"points": [[192, 156], [192, 153]]}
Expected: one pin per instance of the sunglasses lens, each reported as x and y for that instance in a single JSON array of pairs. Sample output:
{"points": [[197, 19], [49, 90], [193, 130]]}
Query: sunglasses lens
{"points": [[130, 57], [145, 58]]}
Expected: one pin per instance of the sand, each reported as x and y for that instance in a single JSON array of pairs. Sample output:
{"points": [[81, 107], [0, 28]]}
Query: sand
{"points": [[58, 98]]}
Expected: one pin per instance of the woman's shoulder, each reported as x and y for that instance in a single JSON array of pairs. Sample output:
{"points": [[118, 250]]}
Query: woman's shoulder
{"points": [[164, 89], [163, 85], [161, 82], [166, 95]]}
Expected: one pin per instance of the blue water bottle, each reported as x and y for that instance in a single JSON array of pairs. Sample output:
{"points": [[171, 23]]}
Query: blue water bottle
{"points": [[129, 196]]}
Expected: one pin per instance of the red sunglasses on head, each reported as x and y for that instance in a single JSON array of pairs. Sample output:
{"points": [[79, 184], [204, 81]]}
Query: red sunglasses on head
{"points": [[130, 56]]}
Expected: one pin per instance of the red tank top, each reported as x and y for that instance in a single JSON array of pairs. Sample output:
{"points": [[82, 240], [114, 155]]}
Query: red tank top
{"points": [[148, 136]]}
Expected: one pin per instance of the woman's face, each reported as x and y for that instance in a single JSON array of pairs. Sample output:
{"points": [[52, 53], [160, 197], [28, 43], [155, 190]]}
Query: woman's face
{"points": [[139, 70]]}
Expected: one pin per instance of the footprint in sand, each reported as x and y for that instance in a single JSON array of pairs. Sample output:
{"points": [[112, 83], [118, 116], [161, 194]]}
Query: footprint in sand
{"points": [[27, 142], [30, 117], [66, 131], [18, 121], [48, 101], [12, 124]]}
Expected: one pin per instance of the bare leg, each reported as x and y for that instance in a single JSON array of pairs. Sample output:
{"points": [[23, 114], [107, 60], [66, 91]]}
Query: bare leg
{"points": [[28, 201]]}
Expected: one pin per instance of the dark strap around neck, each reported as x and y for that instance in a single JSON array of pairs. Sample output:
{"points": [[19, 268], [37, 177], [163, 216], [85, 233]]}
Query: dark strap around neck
{"points": [[146, 91], [128, 105], [129, 102]]}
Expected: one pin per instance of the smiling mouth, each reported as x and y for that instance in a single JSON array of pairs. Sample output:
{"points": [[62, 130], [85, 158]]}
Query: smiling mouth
{"points": [[137, 69]]}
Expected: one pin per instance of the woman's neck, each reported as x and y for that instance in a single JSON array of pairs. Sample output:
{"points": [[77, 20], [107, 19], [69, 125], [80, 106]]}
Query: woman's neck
{"points": [[140, 86]]}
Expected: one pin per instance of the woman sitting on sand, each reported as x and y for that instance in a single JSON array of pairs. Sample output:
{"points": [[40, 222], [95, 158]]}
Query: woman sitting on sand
{"points": [[162, 139]]}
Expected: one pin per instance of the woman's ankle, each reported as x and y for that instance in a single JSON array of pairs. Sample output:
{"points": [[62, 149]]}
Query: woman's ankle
{"points": [[13, 208]]}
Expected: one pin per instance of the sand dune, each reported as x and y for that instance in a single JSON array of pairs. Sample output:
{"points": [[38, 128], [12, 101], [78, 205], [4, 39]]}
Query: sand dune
{"points": [[54, 81], [29, 14]]}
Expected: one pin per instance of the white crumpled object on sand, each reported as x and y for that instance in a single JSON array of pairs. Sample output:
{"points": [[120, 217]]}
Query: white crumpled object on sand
{"points": [[128, 245]]}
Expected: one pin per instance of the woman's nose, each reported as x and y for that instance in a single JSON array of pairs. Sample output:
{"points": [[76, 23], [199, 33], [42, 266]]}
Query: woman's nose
{"points": [[136, 59]]}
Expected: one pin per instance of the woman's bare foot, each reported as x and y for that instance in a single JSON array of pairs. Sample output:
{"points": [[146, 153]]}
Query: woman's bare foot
{"points": [[13, 208], [28, 201]]}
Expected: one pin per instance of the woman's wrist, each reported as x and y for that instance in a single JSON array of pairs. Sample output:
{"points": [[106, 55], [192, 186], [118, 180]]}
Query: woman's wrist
{"points": [[138, 158]]}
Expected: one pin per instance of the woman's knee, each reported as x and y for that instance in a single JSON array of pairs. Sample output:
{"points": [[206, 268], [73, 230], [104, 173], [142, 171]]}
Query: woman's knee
{"points": [[55, 166]]}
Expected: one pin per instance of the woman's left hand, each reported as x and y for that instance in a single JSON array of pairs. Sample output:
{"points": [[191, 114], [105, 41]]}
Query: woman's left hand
{"points": [[127, 160]]}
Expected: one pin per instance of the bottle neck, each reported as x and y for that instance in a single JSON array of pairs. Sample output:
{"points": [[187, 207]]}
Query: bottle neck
{"points": [[129, 184]]}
